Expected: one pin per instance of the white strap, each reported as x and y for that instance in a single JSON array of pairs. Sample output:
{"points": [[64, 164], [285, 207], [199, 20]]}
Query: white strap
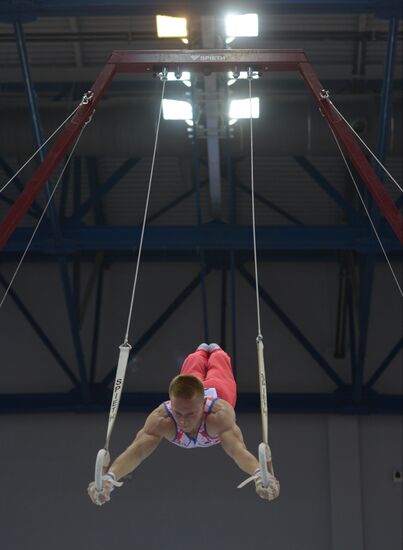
{"points": [[117, 388], [249, 479], [111, 478]]}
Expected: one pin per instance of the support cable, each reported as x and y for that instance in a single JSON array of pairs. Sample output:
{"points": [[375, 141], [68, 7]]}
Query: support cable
{"points": [[43, 212], [83, 102], [368, 214], [163, 77], [365, 145], [265, 474], [103, 456], [252, 184]]}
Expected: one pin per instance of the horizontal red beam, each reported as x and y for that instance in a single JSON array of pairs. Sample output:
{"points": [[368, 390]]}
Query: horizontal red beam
{"points": [[153, 61]]}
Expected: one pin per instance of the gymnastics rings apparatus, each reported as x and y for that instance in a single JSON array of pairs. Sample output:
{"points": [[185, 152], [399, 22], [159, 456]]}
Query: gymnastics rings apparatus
{"points": [[103, 458], [264, 452], [266, 468]]}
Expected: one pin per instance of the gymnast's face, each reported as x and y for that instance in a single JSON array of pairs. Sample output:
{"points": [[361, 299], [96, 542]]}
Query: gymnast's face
{"points": [[187, 412]]}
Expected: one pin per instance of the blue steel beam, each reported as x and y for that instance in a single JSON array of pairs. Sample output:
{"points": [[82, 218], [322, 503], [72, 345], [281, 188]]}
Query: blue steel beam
{"points": [[320, 179], [233, 312], [10, 202], [368, 268], [162, 319], [385, 363], [100, 219], [40, 333], [72, 312], [18, 183], [64, 190], [352, 331], [211, 236], [270, 204], [76, 260], [173, 203], [229, 174], [65, 8], [295, 331], [340, 340], [93, 179], [199, 216], [118, 174], [223, 340], [97, 321]]}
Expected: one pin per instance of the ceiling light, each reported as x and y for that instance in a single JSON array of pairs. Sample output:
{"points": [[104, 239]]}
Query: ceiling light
{"points": [[173, 109], [242, 25], [240, 108], [242, 75], [168, 27], [183, 77]]}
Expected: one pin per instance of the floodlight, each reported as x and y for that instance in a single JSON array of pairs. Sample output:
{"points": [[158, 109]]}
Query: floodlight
{"points": [[183, 77], [240, 108], [243, 75], [173, 109], [242, 25], [169, 27]]}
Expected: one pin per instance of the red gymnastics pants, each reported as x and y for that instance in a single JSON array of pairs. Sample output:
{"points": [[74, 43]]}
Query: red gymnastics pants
{"points": [[214, 370]]}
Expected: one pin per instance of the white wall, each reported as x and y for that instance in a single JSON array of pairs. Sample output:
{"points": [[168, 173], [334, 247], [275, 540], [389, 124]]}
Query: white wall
{"points": [[179, 499]]}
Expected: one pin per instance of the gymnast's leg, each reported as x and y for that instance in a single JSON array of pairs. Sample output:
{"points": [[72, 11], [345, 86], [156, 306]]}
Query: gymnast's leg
{"points": [[196, 363], [220, 375]]}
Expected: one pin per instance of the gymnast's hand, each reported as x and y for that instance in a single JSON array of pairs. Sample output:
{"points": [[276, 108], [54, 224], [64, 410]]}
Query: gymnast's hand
{"points": [[108, 484], [268, 493]]}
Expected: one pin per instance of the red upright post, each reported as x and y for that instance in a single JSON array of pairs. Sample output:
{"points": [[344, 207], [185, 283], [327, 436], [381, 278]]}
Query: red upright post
{"points": [[55, 155], [353, 151]]}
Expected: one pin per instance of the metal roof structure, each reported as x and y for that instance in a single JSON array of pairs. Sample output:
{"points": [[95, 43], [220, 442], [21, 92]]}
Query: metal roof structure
{"points": [[51, 52]]}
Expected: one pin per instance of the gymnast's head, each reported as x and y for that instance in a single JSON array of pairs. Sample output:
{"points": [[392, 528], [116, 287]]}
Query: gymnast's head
{"points": [[186, 393]]}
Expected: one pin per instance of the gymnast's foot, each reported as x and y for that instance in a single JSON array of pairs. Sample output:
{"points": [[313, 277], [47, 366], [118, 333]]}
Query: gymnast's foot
{"points": [[213, 347], [204, 347]]}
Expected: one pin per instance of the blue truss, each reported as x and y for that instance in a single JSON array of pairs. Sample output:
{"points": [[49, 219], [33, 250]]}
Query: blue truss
{"points": [[220, 244], [48, 8]]}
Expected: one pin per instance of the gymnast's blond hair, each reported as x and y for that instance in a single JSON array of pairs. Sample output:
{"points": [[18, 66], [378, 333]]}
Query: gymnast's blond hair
{"points": [[186, 386]]}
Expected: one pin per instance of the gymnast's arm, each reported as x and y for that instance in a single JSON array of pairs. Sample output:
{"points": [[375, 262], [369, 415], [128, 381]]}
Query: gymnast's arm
{"points": [[145, 442], [223, 423]]}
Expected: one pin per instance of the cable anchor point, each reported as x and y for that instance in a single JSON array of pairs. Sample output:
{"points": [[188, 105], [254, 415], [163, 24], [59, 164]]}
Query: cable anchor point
{"points": [[87, 97], [163, 75], [324, 94], [250, 73], [259, 338]]}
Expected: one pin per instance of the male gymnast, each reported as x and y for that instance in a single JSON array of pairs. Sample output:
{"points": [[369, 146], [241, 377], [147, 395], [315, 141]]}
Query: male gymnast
{"points": [[200, 413]]}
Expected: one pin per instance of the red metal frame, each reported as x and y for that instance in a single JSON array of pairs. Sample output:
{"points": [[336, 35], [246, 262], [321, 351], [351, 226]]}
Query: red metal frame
{"points": [[207, 61]]}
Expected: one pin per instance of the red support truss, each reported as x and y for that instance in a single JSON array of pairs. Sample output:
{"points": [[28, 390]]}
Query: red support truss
{"points": [[154, 61]]}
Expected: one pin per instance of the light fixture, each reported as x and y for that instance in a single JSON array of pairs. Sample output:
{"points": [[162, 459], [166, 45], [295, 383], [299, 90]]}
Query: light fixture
{"points": [[240, 108], [169, 27], [173, 109], [243, 75], [183, 77], [246, 24]]}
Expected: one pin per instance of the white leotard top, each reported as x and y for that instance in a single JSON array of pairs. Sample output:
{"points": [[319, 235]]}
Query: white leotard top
{"points": [[203, 438]]}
